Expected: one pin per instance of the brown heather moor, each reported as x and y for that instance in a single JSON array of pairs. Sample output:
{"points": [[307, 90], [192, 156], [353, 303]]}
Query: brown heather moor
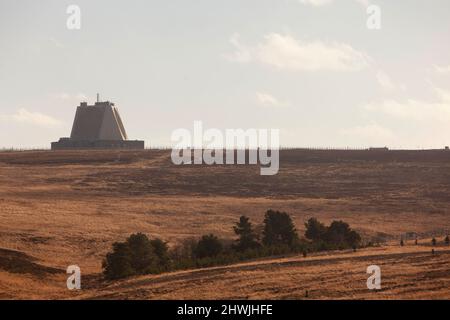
{"points": [[68, 207]]}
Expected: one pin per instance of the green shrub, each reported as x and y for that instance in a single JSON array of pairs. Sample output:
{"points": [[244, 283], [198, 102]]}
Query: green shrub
{"points": [[208, 246]]}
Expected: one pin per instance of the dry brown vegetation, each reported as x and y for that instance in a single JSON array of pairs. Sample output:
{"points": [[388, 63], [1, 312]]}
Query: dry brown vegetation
{"points": [[64, 208]]}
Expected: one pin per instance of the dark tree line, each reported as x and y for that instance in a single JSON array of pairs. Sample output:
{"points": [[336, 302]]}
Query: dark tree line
{"points": [[139, 255]]}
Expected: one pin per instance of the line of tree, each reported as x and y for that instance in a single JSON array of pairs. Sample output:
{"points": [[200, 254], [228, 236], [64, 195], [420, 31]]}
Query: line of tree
{"points": [[139, 255]]}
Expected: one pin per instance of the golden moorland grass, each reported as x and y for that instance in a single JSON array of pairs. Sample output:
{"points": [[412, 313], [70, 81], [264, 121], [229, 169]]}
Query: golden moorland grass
{"points": [[64, 208]]}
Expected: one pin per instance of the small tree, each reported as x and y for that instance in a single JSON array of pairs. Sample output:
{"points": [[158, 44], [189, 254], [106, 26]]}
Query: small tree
{"points": [[137, 255], [402, 243], [117, 263], [162, 252], [247, 237], [447, 240], [433, 241], [341, 235], [185, 249], [278, 229], [353, 239], [208, 246], [315, 230], [143, 258]]}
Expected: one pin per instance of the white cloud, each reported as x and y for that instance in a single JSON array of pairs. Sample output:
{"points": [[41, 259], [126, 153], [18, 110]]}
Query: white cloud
{"points": [[32, 118], [267, 100], [418, 123], [444, 95], [442, 69], [284, 52], [64, 96], [316, 3], [364, 3], [67, 96], [435, 111], [241, 54], [56, 43], [372, 133], [386, 82], [319, 3]]}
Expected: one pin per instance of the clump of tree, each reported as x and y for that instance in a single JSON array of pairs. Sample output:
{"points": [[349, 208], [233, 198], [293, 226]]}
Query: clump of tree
{"points": [[338, 235], [137, 255]]}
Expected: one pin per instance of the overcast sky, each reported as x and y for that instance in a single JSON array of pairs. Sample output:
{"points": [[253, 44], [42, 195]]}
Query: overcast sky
{"points": [[310, 68]]}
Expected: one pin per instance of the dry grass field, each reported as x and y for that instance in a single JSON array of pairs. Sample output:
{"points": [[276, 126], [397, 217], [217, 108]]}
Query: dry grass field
{"points": [[68, 207]]}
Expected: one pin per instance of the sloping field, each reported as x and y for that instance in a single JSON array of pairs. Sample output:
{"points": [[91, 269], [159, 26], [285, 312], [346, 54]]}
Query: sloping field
{"points": [[68, 207], [407, 273]]}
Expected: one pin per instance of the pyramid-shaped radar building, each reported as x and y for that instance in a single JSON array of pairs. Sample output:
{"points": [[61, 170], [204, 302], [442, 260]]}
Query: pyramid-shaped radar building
{"points": [[97, 127]]}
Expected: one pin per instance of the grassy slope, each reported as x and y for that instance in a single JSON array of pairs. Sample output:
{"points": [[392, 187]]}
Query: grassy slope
{"points": [[68, 207]]}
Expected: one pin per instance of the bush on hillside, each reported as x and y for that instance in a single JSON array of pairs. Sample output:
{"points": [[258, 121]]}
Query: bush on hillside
{"points": [[208, 246], [138, 255], [279, 229], [338, 235]]}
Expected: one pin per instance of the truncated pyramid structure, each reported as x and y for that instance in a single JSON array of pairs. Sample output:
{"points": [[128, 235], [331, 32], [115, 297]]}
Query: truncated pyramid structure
{"points": [[98, 122], [97, 126]]}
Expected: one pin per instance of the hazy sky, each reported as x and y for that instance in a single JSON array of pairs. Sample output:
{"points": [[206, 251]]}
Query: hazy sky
{"points": [[310, 68]]}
